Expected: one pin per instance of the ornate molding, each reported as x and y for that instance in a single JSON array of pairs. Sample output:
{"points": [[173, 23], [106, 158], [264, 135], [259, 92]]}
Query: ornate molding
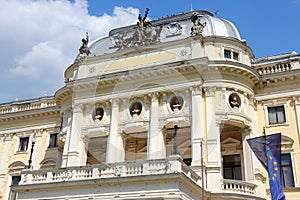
{"points": [[78, 108], [196, 90], [154, 96], [210, 91]]}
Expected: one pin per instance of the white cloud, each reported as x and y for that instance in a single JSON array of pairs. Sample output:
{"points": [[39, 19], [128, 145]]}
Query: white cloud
{"points": [[40, 39]]}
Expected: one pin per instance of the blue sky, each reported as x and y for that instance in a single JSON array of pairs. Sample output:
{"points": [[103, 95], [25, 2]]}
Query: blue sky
{"points": [[40, 38]]}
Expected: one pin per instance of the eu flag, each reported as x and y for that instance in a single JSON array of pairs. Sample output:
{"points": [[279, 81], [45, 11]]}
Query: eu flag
{"points": [[267, 149]]}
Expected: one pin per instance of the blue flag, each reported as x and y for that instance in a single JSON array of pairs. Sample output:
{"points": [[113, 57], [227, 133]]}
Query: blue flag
{"points": [[267, 149]]}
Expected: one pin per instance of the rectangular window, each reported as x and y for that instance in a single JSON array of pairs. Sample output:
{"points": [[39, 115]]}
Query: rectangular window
{"points": [[227, 54], [235, 56], [232, 167], [287, 171], [276, 115], [24, 144], [53, 141], [15, 181]]}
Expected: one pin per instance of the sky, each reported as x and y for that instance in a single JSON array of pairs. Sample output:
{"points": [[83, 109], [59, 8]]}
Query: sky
{"points": [[40, 38]]}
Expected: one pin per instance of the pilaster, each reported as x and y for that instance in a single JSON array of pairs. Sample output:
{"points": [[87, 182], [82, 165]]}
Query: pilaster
{"points": [[115, 145], [197, 132], [37, 138], [156, 145], [75, 143], [3, 166], [297, 107], [213, 146], [247, 156]]}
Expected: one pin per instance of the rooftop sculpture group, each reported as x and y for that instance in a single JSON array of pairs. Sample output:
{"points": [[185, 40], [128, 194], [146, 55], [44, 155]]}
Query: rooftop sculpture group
{"points": [[198, 27], [143, 34]]}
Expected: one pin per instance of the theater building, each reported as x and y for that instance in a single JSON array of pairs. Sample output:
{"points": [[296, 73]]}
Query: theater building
{"points": [[156, 110]]}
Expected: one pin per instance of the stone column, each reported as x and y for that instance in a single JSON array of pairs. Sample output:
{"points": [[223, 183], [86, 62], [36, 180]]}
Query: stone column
{"points": [[75, 144], [115, 144], [156, 145], [5, 154], [197, 132], [35, 154], [213, 148]]}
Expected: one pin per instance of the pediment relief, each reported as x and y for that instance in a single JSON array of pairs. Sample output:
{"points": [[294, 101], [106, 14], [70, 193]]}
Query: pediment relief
{"points": [[286, 142], [16, 166], [230, 145], [230, 141]]}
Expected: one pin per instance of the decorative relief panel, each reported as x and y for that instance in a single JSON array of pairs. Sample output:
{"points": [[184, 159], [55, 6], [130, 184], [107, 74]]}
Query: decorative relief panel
{"points": [[135, 114], [176, 108]]}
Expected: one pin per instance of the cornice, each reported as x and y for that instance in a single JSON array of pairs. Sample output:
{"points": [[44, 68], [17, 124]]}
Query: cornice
{"points": [[235, 68], [42, 112], [280, 95], [30, 129]]}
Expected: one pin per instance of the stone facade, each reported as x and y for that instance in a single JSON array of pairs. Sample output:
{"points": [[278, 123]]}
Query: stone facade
{"points": [[139, 112]]}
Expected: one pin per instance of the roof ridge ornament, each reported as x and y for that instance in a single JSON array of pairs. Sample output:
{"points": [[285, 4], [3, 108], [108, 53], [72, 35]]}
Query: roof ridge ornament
{"points": [[198, 27]]}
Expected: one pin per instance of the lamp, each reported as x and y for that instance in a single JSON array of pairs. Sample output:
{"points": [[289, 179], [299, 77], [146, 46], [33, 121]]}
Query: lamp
{"points": [[31, 152]]}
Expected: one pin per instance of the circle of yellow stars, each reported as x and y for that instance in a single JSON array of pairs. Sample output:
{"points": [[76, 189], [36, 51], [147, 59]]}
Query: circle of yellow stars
{"points": [[275, 168]]}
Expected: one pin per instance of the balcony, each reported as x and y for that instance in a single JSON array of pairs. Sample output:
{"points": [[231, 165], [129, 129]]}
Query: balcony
{"points": [[145, 179], [173, 164], [236, 186]]}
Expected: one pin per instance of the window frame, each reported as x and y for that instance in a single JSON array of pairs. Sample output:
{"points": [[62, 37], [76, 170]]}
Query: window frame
{"points": [[20, 147], [56, 142], [290, 165], [276, 103], [232, 167], [12, 184], [276, 110], [233, 54]]}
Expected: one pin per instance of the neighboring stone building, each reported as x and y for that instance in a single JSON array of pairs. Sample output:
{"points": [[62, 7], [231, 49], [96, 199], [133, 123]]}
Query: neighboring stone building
{"points": [[136, 107]]}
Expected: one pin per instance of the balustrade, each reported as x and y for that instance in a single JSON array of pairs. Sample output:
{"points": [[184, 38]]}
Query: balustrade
{"points": [[137, 168], [274, 69], [26, 106], [238, 186]]}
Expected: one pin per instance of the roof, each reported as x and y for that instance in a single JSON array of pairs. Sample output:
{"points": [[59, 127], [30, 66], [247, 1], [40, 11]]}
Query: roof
{"points": [[163, 30]]}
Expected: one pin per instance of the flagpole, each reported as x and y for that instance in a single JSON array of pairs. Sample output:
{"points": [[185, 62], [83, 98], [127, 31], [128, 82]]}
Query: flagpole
{"points": [[202, 169]]}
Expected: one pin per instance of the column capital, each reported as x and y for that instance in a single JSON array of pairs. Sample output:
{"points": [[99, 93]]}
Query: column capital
{"points": [[38, 133], [296, 99], [115, 101], [196, 90], [154, 96], [210, 91], [8, 136], [78, 107]]}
